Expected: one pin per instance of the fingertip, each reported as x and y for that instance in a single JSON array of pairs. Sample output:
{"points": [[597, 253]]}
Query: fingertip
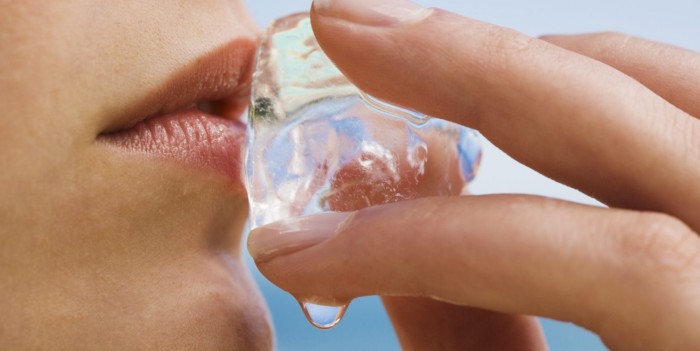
{"points": [[294, 234]]}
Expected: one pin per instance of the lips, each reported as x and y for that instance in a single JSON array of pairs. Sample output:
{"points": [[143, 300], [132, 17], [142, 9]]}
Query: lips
{"points": [[194, 117]]}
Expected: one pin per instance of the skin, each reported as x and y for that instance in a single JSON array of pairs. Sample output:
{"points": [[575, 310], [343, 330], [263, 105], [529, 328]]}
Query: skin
{"points": [[609, 114], [99, 250]]}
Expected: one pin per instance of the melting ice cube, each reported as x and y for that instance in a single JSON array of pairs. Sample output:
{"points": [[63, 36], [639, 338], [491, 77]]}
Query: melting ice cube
{"points": [[318, 144]]}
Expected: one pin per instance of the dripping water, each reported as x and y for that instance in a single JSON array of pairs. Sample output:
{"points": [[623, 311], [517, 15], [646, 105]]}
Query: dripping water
{"points": [[323, 317]]}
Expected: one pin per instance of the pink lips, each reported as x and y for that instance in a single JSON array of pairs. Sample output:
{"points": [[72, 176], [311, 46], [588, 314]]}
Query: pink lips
{"points": [[168, 125], [190, 136]]}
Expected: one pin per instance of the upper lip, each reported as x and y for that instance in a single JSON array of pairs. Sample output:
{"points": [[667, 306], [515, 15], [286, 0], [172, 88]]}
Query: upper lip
{"points": [[221, 78]]}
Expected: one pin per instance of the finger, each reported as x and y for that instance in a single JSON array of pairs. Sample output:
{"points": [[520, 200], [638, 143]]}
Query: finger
{"points": [[425, 324], [572, 118], [671, 72], [619, 273]]}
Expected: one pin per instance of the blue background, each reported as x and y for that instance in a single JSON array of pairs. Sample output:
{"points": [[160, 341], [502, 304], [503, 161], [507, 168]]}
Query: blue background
{"points": [[365, 326]]}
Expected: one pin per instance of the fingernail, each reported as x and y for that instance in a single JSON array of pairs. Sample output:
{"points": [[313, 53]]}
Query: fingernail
{"points": [[372, 12], [294, 234]]}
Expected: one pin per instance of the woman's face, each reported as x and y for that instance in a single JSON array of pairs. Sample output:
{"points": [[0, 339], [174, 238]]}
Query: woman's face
{"points": [[121, 206]]}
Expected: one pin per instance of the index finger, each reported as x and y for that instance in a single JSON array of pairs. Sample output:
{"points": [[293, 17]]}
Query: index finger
{"points": [[570, 117]]}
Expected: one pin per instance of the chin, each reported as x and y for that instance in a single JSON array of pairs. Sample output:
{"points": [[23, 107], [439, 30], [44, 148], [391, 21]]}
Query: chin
{"points": [[209, 303], [225, 313]]}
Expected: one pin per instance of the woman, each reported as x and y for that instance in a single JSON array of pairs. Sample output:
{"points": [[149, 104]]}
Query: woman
{"points": [[122, 209], [122, 206]]}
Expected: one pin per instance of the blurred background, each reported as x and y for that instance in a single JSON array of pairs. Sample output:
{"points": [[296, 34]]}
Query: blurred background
{"points": [[365, 326]]}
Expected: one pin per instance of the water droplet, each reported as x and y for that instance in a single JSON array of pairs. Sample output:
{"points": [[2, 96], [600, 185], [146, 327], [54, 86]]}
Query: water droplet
{"points": [[323, 317]]}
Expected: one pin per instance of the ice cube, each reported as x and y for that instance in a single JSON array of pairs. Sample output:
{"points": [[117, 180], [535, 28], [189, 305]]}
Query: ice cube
{"points": [[318, 144]]}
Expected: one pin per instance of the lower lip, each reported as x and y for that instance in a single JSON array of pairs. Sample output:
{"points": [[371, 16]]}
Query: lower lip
{"points": [[191, 137]]}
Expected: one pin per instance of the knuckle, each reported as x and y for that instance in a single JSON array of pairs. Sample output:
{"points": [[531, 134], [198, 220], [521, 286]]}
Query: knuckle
{"points": [[506, 46], [662, 244]]}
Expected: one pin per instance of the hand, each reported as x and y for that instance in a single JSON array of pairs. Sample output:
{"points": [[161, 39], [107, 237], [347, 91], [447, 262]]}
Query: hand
{"points": [[608, 114]]}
